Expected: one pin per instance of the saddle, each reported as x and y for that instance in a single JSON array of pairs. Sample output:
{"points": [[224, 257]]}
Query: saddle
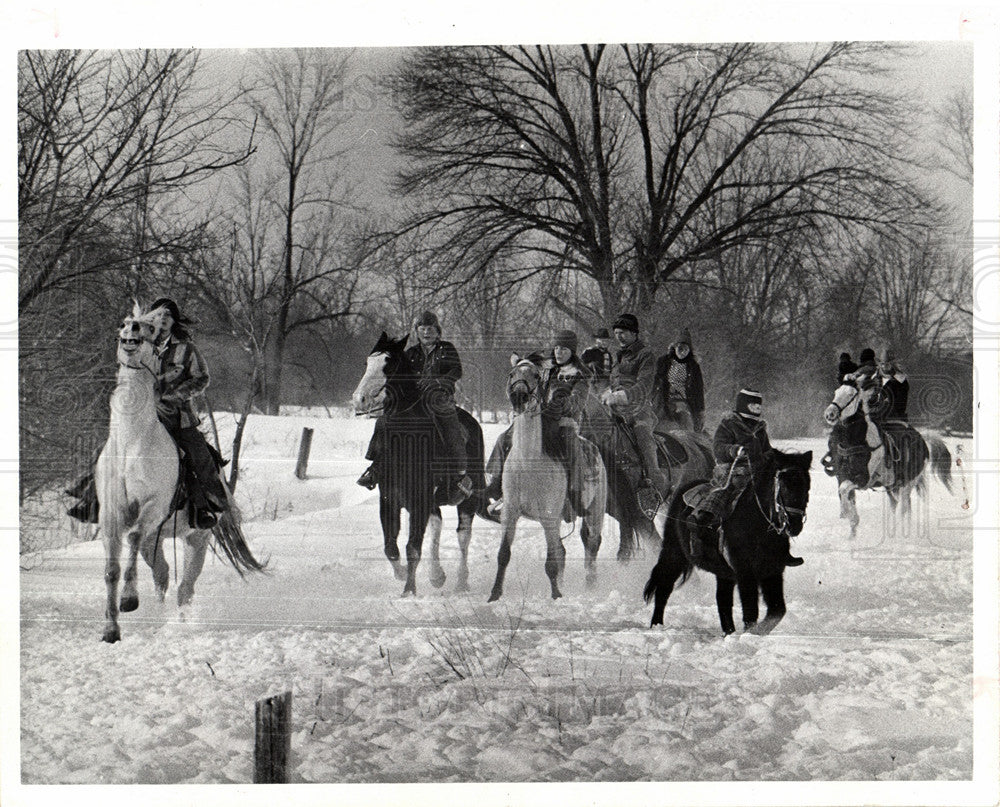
{"points": [[671, 447]]}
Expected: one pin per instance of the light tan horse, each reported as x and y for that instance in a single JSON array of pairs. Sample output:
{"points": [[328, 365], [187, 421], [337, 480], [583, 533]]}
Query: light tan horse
{"points": [[136, 477], [534, 486]]}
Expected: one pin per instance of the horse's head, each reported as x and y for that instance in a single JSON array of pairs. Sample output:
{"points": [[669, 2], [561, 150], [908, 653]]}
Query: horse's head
{"points": [[845, 403], [524, 384], [791, 488], [135, 341], [384, 363]]}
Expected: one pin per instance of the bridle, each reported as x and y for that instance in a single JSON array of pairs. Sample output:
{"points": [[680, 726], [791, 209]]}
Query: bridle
{"points": [[533, 395], [779, 509], [141, 366], [840, 409]]}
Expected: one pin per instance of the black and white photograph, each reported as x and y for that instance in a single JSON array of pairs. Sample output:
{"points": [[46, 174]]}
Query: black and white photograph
{"points": [[569, 408]]}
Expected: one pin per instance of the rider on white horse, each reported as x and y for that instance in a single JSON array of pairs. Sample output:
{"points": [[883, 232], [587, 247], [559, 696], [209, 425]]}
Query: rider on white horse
{"points": [[564, 387], [181, 375]]}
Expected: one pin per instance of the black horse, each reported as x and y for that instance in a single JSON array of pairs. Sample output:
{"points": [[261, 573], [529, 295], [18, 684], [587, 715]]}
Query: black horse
{"points": [[752, 549], [412, 466]]}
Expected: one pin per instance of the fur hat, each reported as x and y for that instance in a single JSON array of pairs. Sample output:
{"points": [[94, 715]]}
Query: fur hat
{"points": [[602, 333], [684, 338], [565, 338], [749, 404], [626, 322], [867, 356], [428, 318]]}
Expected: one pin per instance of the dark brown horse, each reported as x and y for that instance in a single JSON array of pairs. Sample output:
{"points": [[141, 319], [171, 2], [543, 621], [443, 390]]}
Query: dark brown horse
{"points": [[407, 463], [752, 549]]}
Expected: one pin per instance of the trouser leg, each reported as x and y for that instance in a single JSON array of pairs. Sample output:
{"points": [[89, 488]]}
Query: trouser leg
{"points": [[494, 467], [201, 465]]}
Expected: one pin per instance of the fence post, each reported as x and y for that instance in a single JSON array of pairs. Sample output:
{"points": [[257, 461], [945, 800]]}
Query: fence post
{"points": [[272, 739], [305, 444]]}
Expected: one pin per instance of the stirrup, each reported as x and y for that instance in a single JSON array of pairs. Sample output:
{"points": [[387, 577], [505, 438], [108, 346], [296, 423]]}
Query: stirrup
{"points": [[205, 519], [495, 507], [649, 499]]}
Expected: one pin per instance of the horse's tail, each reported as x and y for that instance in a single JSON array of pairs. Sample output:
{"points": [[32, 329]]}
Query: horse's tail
{"points": [[940, 459], [231, 544], [672, 533]]}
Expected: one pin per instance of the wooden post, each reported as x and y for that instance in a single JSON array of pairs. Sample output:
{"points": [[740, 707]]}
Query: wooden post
{"points": [[305, 444], [272, 739]]}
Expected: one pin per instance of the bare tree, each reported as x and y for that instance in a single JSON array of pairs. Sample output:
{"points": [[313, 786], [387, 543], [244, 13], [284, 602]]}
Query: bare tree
{"points": [[956, 125], [300, 107], [539, 150], [101, 135]]}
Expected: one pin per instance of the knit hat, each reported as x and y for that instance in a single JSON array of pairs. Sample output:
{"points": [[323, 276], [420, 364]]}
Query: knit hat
{"points": [[565, 338], [867, 356], [602, 334], [428, 318], [626, 322], [749, 404], [684, 338]]}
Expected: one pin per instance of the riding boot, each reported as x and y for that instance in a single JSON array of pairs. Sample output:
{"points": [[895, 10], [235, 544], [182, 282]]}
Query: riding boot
{"points": [[793, 560], [368, 478], [650, 462]]}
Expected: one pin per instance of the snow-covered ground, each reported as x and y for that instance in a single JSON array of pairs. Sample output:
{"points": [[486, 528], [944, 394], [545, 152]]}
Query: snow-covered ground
{"points": [[869, 676]]}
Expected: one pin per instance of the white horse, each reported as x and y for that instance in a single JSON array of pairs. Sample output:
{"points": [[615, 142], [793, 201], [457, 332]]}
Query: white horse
{"points": [[898, 467], [534, 486], [136, 477]]}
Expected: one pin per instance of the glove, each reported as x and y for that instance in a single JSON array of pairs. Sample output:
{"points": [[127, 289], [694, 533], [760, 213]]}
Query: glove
{"points": [[616, 398]]}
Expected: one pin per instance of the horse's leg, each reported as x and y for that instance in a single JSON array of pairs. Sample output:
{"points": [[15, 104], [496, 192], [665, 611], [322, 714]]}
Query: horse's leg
{"points": [[112, 573], [388, 513], [724, 587], [465, 517], [848, 506], [670, 565], [773, 590], [195, 545], [130, 594], [508, 525], [434, 526], [590, 534], [747, 585], [555, 555], [419, 516], [152, 553]]}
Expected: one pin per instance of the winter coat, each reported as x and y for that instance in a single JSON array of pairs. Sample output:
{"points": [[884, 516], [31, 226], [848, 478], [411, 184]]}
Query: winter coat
{"points": [[737, 432], [694, 388], [566, 389], [634, 372], [438, 370], [181, 375], [599, 360], [889, 402]]}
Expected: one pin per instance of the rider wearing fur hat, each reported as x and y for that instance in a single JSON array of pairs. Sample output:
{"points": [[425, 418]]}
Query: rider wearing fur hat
{"points": [[680, 390], [742, 450], [439, 368], [630, 395]]}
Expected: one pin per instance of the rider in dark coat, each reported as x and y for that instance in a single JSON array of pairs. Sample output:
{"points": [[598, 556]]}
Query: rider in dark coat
{"points": [[564, 387], [680, 390], [630, 393], [891, 400], [439, 368], [845, 367], [742, 451]]}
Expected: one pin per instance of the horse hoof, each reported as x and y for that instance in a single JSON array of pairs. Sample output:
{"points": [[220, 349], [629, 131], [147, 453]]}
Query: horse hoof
{"points": [[556, 595], [399, 570], [129, 603], [111, 635], [409, 592], [161, 594], [462, 587], [495, 596], [438, 580]]}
